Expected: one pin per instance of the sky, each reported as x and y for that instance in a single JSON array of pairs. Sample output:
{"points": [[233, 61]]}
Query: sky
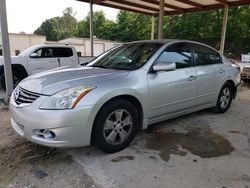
{"points": [[27, 15]]}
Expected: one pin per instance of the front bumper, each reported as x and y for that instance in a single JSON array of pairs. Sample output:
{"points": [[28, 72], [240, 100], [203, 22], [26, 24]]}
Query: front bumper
{"points": [[71, 127]]}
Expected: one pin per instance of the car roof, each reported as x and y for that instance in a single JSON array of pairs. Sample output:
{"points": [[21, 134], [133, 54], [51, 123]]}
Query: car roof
{"points": [[52, 45], [166, 41]]}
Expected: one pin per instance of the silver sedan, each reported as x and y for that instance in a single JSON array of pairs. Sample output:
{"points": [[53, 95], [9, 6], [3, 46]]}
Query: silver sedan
{"points": [[120, 92]]}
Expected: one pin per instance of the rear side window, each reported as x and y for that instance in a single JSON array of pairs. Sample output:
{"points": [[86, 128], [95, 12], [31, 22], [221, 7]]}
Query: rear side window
{"points": [[53, 52], [62, 52], [179, 53], [205, 56]]}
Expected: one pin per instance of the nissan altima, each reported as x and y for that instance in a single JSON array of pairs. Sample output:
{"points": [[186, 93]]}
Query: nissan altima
{"points": [[122, 91]]}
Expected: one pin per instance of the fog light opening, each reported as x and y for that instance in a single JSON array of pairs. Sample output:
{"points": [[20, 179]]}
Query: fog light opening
{"points": [[47, 134]]}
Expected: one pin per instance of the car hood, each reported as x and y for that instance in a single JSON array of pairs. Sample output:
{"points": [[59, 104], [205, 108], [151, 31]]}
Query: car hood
{"points": [[50, 82], [14, 60]]}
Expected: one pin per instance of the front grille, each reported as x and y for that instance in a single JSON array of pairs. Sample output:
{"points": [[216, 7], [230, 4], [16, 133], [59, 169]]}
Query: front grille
{"points": [[23, 96]]}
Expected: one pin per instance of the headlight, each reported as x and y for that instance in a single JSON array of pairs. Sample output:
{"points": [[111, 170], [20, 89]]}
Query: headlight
{"points": [[66, 99]]}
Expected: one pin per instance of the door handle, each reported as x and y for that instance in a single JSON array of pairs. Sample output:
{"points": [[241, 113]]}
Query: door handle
{"points": [[59, 62], [191, 78], [221, 71]]}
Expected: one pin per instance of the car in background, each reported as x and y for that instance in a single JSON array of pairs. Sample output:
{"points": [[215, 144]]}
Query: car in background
{"points": [[245, 67], [120, 92], [39, 58]]}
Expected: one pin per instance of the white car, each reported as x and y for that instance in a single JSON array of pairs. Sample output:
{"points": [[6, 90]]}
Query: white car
{"points": [[37, 59]]}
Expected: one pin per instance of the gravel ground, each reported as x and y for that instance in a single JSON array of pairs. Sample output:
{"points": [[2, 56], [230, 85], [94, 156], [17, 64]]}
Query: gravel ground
{"points": [[24, 164]]}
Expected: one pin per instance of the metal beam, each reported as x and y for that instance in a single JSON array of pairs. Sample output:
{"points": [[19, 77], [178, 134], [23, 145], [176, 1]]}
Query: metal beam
{"points": [[91, 35], [224, 2], [135, 5], [160, 20], [6, 51], [224, 29], [165, 5], [188, 2]]}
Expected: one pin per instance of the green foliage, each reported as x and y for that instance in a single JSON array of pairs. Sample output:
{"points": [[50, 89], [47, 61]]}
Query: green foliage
{"points": [[200, 26], [132, 26], [58, 28], [101, 26], [206, 27]]}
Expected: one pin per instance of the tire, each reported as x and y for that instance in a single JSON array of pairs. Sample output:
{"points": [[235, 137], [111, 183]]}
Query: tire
{"points": [[2, 81], [110, 132], [224, 99], [17, 77]]}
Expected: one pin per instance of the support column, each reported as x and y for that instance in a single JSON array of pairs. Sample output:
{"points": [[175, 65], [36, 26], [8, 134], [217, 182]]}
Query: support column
{"points": [[153, 28], [91, 29], [6, 50], [160, 19], [224, 29]]}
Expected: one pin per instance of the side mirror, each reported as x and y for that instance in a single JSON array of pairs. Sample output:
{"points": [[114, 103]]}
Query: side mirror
{"points": [[34, 55], [164, 66]]}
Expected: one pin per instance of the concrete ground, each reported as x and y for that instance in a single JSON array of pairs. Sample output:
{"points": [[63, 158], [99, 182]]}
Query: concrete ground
{"points": [[202, 149]]}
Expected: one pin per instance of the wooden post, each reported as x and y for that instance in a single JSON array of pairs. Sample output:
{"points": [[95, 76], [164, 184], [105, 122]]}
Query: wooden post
{"points": [[160, 20], [224, 29]]}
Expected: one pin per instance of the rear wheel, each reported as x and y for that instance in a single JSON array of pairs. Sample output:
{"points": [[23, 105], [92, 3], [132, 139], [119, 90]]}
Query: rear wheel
{"points": [[115, 126], [224, 99]]}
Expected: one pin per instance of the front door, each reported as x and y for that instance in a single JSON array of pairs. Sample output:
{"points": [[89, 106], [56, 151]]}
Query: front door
{"points": [[41, 60], [172, 92]]}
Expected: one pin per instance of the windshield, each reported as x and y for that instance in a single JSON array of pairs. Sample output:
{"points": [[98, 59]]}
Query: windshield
{"points": [[128, 56]]}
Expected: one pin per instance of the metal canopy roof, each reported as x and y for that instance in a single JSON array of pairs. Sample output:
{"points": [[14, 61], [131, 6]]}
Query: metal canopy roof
{"points": [[151, 7]]}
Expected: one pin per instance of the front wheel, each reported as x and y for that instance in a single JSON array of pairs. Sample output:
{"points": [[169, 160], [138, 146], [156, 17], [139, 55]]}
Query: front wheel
{"points": [[115, 126], [17, 77], [224, 99]]}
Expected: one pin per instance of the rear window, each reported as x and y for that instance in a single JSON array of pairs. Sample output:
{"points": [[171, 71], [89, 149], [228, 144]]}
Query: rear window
{"points": [[51, 52], [205, 56]]}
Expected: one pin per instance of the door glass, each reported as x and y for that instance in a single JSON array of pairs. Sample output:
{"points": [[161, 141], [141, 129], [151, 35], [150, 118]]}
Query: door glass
{"points": [[44, 53], [62, 52], [179, 53], [206, 56]]}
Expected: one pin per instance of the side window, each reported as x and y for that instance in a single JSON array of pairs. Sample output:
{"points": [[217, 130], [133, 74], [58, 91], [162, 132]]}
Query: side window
{"points": [[179, 53], [206, 56], [63, 52], [43, 53], [47, 52]]}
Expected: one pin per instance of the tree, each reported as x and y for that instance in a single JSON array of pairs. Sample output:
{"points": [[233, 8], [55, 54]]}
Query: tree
{"points": [[59, 28], [102, 27], [132, 26]]}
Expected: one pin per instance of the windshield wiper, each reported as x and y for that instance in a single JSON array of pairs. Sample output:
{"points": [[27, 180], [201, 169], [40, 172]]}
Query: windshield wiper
{"points": [[99, 66]]}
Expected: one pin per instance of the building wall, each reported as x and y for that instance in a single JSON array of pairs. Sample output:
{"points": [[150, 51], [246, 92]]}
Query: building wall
{"points": [[82, 45], [19, 42]]}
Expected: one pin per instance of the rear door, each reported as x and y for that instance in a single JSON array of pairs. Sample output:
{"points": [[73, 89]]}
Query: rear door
{"points": [[210, 73], [65, 56], [171, 92]]}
